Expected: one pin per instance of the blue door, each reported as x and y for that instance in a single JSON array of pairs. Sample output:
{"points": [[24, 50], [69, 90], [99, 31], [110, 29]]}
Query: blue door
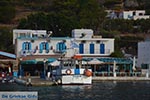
{"points": [[102, 48], [81, 48], [91, 48]]}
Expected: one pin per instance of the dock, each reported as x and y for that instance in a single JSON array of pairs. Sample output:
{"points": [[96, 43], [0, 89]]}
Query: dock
{"points": [[34, 81], [120, 78]]}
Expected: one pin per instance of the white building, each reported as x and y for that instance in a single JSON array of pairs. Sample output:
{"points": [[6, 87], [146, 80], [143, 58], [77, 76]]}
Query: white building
{"points": [[35, 46], [143, 53], [131, 14], [38, 43]]}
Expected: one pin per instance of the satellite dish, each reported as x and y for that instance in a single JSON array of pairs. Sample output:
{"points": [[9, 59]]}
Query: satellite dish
{"points": [[49, 33]]}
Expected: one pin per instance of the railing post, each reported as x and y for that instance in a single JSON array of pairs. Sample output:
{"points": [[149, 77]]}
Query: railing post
{"points": [[114, 69], [148, 70]]}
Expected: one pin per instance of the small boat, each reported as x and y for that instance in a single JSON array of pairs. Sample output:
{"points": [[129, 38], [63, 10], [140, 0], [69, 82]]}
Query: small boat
{"points": [[71, 71], [6, 78]]}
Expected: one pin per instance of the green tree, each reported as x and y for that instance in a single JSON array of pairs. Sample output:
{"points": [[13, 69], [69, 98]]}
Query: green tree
{"points": [[6, 40], [117, 54], [65, 15]]}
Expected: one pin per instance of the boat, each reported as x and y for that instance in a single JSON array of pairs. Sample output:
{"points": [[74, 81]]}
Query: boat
{"points": [[71, 71], [7, 78]]}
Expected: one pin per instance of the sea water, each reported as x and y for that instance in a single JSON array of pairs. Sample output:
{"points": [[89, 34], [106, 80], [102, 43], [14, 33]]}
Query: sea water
{"points": [[101, 90]]}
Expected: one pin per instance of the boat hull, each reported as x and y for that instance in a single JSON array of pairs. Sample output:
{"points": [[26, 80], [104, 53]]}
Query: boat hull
{"points": [[76, 79]]}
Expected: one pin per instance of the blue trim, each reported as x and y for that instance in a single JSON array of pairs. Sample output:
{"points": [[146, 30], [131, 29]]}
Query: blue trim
{"points": [[41, 48], [47, 47], [61, 47], [23, 45], [29, 62], [77, 71], [81, 48], [92, 48], [50, 60], [30, 47], [102, 48]]}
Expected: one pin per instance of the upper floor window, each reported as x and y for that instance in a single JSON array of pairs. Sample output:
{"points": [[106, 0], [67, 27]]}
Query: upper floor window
{"points": [[61, 47], [22, 35], [44, 46], [26, 46]]}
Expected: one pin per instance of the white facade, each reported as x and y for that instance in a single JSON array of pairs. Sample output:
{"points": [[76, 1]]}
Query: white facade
{"points": [[137, 14], [82, 33], [131, 14], [143, 53], [127, 14], [33, 43]]}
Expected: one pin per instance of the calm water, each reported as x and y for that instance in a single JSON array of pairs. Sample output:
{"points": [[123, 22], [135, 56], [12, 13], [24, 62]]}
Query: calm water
{"points": [[107, 90]]}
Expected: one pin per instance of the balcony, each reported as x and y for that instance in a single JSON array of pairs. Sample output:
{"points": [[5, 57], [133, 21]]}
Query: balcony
{"points": [[96, 52], [35, 52], [40, 52]]}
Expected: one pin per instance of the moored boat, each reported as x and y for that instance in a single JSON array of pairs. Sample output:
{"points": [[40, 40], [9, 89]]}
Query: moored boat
{"points": [[71, 71]]}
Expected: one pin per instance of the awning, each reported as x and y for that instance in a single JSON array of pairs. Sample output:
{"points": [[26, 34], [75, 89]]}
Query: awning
{"points": [[49, 60], [29, 62]]}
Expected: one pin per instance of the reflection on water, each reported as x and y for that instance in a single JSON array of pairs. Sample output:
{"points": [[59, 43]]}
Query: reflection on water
{"points": [[105, 90]]}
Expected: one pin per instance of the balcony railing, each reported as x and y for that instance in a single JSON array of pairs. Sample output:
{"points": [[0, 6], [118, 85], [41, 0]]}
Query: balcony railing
{"points": [[37, 52], [117, 74], [96, 51]]}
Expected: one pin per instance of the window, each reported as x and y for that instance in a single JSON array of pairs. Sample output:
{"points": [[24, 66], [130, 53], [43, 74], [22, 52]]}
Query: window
{"points": [[26, 46], [44, 46], [61, 47]]}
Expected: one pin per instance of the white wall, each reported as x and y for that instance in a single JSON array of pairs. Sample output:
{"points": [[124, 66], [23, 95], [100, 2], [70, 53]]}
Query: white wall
{"points": [[143, 53], [127, 14], [77, 33], [109, 44]]}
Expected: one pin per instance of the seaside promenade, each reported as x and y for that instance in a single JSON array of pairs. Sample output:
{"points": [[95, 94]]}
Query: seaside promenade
{"points": [[36, 81]]}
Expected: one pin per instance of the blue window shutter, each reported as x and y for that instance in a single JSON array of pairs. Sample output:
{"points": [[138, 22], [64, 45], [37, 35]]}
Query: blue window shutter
{"points": [[60, 46], [41, 47], [64, 47], [81, 48], [29, 45], [23, 45], [102, 48], [91, 48], [47, 46]]}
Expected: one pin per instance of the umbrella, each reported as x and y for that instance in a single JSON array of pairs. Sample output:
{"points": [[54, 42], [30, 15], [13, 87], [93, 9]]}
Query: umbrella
{"points": [[95, 61], [74, 45], [55, 63]]}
